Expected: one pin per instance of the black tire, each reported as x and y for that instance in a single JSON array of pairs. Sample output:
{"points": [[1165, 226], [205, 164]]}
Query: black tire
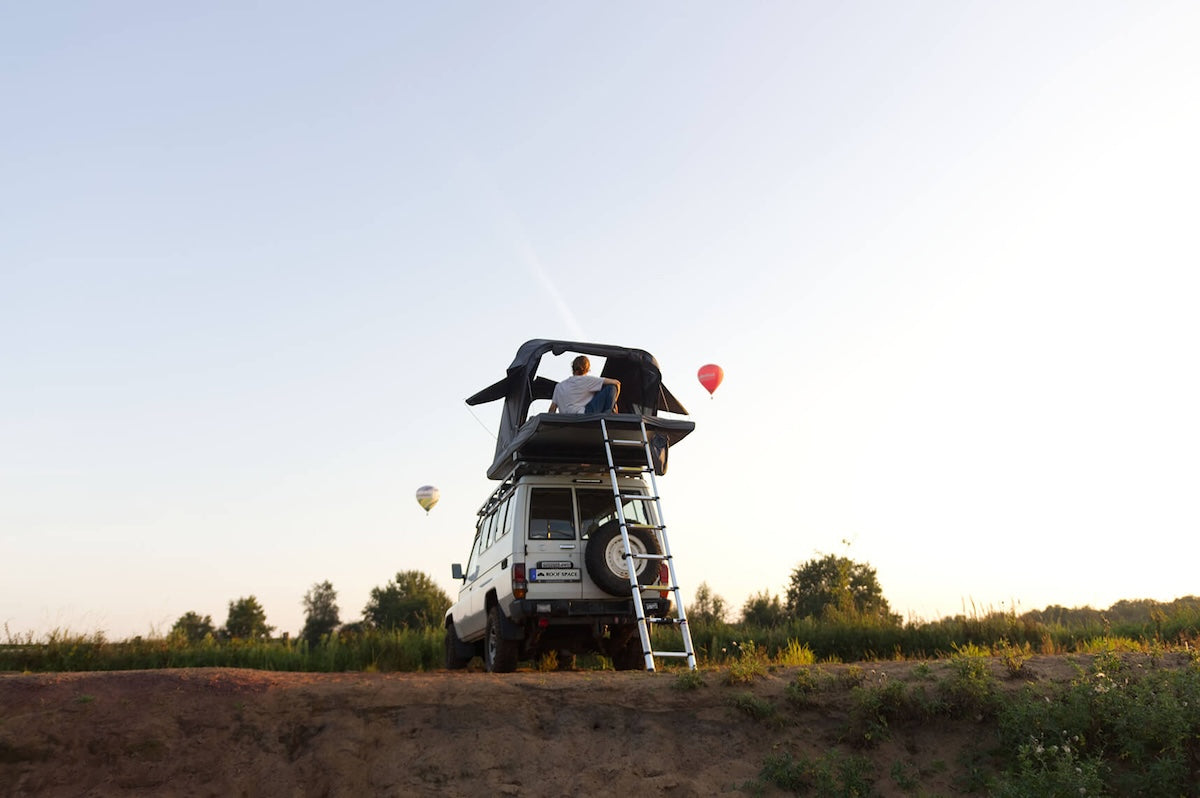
{"points": [[606, 562], [499, 655], [454, 659], [629, 656]]}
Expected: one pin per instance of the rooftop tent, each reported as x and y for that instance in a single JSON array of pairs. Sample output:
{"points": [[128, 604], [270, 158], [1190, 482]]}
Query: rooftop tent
{"points": [[642, 394]]}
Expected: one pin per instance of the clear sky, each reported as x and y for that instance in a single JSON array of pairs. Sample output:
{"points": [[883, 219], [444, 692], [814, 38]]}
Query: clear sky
{"points": [[253, 258]]}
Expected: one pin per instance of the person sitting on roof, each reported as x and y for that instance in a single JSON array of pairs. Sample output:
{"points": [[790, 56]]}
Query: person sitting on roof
{"points": [[581, 393]]}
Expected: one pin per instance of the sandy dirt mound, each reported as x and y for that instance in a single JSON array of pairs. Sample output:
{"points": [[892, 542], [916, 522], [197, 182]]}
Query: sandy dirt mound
{"points": [[225, 732]]}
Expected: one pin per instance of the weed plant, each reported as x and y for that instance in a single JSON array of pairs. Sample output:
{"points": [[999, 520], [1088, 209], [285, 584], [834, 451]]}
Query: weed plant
{"points": [[971, 692], [878, 709], [803, 687], [833, 775], [755, 707], [1133, 727], [751, 664]]}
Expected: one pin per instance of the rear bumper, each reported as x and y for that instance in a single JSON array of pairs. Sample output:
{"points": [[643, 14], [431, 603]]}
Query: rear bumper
{"points": [[612, 611]]}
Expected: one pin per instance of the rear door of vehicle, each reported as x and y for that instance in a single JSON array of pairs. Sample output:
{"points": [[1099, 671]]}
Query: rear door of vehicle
{"points": [[597, 507], [554, 557]]}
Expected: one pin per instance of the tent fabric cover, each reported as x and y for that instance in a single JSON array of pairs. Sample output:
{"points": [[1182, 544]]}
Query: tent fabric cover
{"points": [[642, 394]]}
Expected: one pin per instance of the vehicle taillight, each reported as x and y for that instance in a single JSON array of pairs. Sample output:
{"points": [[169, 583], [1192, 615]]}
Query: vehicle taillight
{"points": [[519, 585], [664, 578]]}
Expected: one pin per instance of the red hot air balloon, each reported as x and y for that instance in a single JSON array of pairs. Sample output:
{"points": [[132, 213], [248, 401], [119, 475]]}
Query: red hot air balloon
{"points": [[710, 377]]}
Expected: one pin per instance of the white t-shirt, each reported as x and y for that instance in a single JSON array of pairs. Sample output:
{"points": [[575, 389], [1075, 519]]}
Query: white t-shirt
{"points": [[572, 394]]}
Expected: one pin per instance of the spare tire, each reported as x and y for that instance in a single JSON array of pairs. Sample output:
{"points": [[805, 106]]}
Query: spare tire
{"points": [[605, 558]]}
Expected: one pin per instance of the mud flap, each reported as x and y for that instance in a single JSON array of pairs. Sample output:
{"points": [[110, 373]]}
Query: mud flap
{"points": [[464, 651], [510, 630]]}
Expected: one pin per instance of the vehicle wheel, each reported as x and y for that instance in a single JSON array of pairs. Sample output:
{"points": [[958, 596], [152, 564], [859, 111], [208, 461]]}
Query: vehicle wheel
{"points": [[499, 655], [454, 660], [605, 558], [630, 656]]}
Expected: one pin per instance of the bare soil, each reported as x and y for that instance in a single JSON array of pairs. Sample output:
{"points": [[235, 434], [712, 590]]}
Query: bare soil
{"points": [[228, 732]]}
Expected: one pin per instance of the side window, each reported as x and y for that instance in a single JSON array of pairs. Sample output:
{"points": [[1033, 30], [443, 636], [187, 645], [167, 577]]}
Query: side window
{"points": [[505, 514], [489, 534], [473, 562], [551, 514]]}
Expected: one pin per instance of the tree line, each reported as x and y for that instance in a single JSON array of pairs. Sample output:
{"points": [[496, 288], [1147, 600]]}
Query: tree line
{"points": [[833, 588], [826, 589], [822, 587], [410, 601]]}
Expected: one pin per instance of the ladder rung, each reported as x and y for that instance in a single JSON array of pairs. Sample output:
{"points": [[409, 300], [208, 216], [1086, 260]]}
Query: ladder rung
{"points": [[669, 653], [646, 527], [639, 497], [623, 442], [658, 587], [637, 556], [665, 621]]}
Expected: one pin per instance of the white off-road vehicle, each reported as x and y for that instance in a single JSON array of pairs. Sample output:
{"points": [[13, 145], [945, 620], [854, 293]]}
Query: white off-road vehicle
{"points": [[549, 569]]}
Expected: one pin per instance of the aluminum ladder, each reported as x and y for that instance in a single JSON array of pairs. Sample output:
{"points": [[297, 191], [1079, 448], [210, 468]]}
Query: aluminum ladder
{"points": [[659, 530]]}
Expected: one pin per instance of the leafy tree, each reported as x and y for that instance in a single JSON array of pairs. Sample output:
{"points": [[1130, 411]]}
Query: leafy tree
{"points": [[192, 628], [1058, 615], [247, 620], [411, 601], [707, 607], [835, 586], [320, 612], [763, 610]]}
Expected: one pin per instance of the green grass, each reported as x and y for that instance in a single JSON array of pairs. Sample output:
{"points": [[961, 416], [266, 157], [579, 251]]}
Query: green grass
{"points": [[748, 652], [831, 775], [401, 650], [754, 706]]}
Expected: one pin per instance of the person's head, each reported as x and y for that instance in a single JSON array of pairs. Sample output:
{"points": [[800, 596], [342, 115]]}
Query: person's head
{"points": [[581, 365]]}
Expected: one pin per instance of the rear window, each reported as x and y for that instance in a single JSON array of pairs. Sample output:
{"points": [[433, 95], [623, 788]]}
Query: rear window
{"points": [[551, 514], [596, 508]]}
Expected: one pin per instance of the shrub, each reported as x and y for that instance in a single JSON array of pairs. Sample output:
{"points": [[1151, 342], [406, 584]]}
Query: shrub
{"points": [[750, 664], [829, 776]]}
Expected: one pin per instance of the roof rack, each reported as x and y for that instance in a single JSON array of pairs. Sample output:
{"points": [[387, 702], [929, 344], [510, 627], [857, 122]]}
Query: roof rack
{"points": [[544, 468]]}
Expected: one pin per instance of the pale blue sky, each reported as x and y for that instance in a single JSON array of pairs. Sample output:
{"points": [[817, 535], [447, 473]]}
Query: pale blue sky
{"points": [[253, 259]]}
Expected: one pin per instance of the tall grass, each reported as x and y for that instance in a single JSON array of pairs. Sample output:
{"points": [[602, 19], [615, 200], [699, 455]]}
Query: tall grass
{"points": [[846, 639], [857, 639], [373, 650]]}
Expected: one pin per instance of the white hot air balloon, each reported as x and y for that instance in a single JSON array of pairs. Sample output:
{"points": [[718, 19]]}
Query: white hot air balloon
{"points": [[427, 496]]}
